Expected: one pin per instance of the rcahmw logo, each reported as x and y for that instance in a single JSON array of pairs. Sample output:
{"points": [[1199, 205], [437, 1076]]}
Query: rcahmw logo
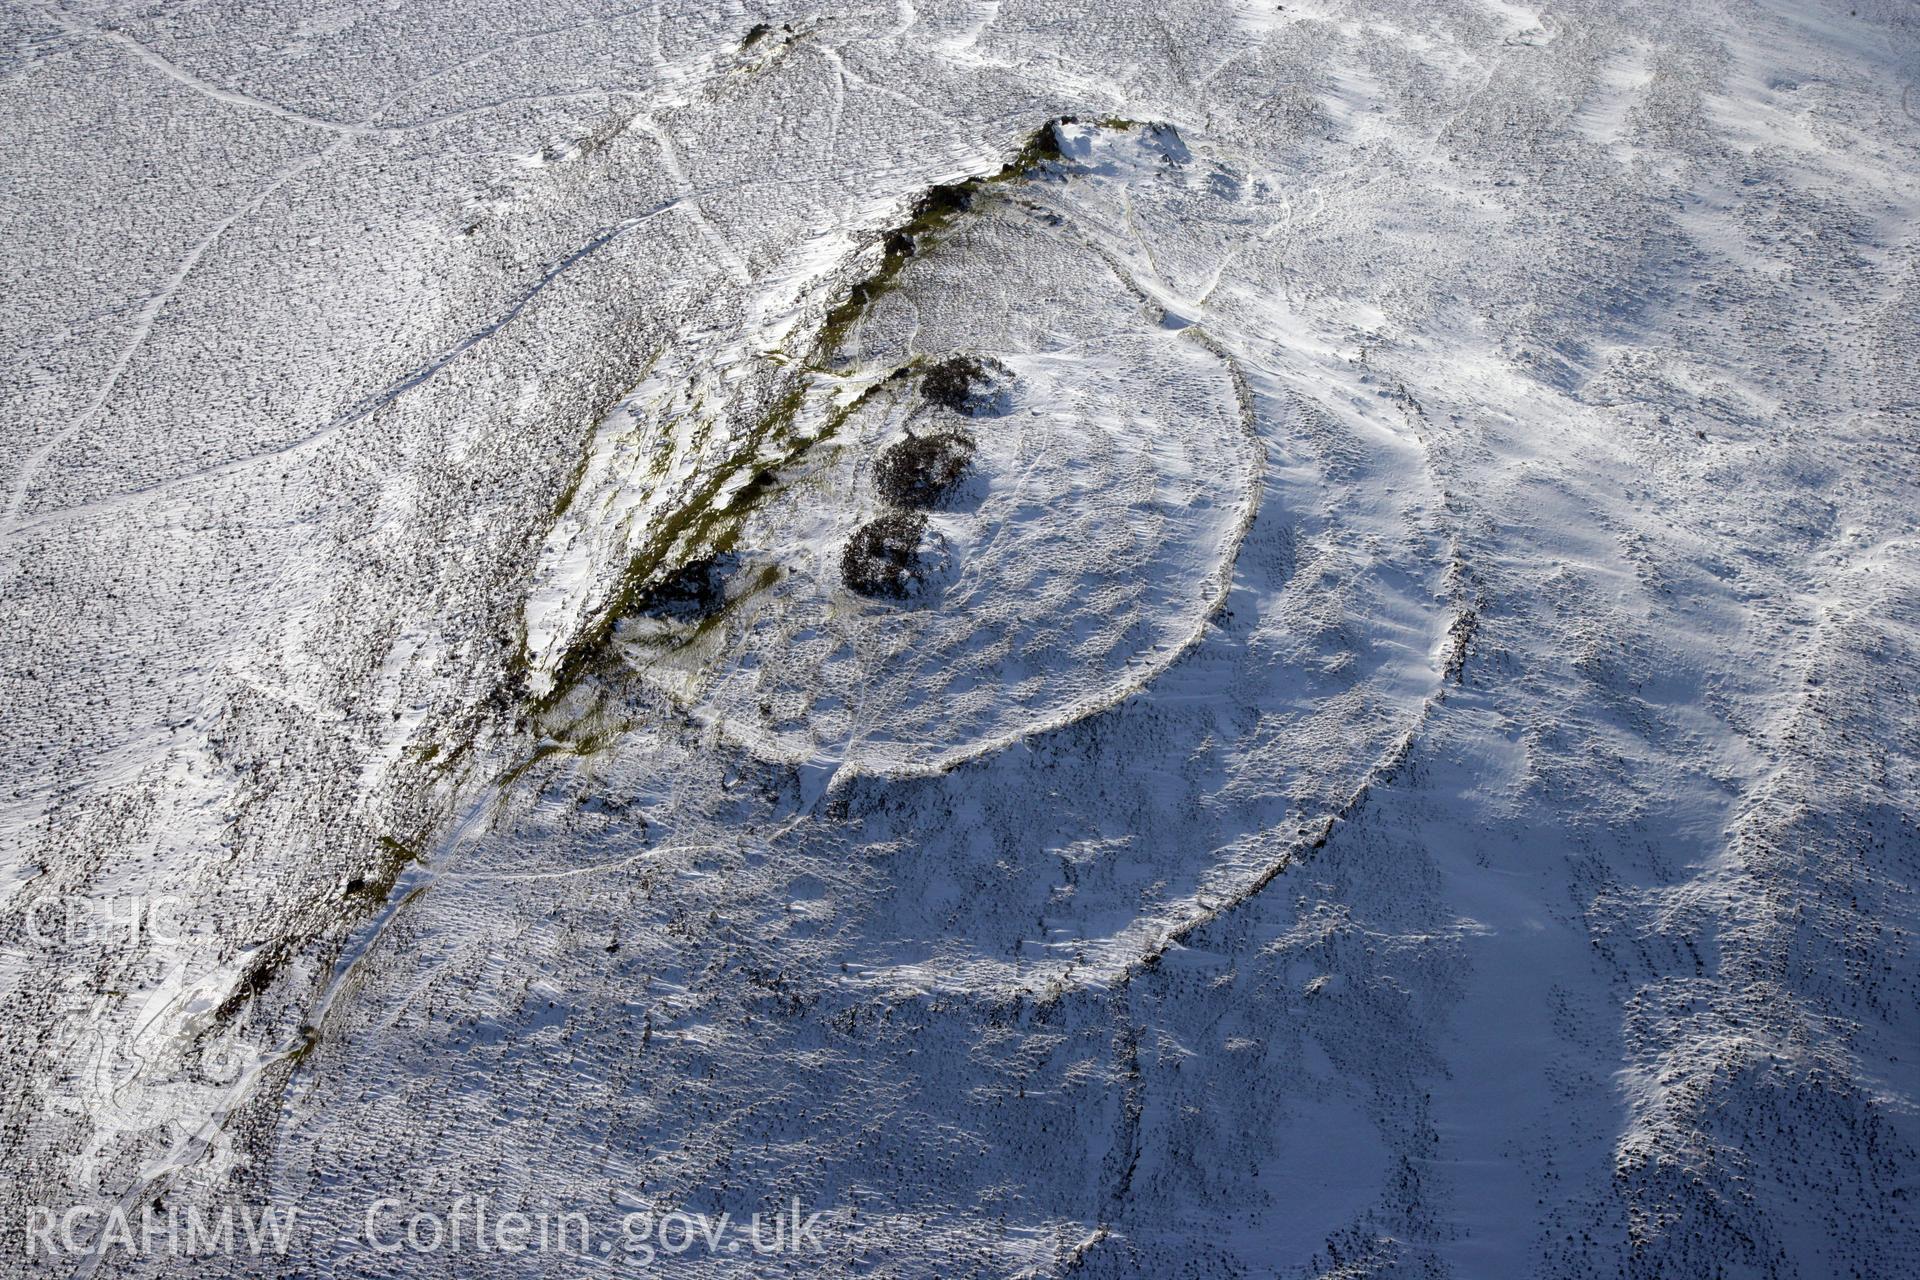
{"points": [[151, 1232], [106, 921]]}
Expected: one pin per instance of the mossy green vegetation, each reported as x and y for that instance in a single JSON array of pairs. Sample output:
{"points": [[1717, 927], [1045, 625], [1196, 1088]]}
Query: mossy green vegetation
{"points": [[394, 858], [932, 213]]}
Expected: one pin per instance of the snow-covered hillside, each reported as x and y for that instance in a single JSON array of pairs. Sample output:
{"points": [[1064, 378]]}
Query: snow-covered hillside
{"points": [[1390, 748]]}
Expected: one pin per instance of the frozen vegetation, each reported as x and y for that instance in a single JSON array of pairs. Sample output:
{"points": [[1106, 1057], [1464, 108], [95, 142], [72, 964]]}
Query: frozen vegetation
{"points": [[1197, 639]]}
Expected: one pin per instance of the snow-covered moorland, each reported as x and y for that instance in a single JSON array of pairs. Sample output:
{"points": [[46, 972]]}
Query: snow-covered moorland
{"points": [[1188, 639]]}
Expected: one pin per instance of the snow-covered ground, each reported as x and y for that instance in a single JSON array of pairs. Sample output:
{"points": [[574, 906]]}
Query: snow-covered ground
{"points": [[1401, 758]]}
